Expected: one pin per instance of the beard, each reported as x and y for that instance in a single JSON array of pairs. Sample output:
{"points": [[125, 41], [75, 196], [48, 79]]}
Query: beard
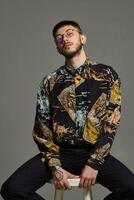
{"points": [[70, 55]]}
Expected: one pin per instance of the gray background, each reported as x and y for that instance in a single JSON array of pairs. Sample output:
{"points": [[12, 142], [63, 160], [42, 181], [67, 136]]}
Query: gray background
{"points": [[27, 54]]}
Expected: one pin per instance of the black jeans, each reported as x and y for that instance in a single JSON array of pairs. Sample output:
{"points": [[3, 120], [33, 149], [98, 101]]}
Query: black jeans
{"points": [[24, 182]]}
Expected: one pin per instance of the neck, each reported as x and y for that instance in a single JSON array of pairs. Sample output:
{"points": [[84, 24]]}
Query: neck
{"points": [[77, 60]]}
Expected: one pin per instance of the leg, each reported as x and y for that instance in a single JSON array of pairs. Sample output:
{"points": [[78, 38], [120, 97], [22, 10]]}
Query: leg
{"points": [[26, 180], [117, 178]]}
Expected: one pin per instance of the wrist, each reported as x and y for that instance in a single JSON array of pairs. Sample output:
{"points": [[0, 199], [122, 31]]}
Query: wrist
{"points": [[88, 166], [55, 168], [57, 172]]}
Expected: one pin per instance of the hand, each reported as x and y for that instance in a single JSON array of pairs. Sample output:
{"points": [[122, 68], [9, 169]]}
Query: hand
{"points": [[60, 177], [88, 176]]}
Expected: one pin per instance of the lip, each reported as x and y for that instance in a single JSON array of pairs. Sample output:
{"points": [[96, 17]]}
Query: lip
{"points": [[67, 45]]}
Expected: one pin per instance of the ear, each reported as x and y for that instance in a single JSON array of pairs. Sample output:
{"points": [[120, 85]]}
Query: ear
{"points": [[83, 39]]}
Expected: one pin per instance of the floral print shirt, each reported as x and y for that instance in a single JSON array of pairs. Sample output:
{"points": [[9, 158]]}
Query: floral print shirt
{"points": [[81, 103]]}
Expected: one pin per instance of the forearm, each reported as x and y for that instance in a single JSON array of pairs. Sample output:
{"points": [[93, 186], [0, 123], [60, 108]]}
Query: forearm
{"points": [[102, 149], [49, 150]]}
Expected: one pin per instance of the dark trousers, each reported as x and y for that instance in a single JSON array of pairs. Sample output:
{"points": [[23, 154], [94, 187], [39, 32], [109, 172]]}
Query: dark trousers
{"points": [[24, 182]]}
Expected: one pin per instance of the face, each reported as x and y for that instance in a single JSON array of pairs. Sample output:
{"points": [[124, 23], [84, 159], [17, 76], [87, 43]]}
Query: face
{"points": [[69, 41]]}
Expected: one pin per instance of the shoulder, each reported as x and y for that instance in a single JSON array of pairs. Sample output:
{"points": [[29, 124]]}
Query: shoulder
{"points": [[51, 78], [106, 70]]}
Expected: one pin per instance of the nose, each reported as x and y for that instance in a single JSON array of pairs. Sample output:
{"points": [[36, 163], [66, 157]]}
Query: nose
{"points": [[64, 38]]}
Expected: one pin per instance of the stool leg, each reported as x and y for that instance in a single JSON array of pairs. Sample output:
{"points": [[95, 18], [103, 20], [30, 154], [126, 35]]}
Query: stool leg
{"points": [[58, 195], [88, 194]]}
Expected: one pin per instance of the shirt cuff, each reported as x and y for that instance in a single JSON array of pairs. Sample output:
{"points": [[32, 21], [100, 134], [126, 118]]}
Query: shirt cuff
{"points": [[94, 163], [54, 162]]}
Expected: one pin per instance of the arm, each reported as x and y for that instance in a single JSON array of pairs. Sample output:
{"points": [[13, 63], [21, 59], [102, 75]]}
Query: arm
{"points": [[43, 136], [110, 123], [42, 131]]}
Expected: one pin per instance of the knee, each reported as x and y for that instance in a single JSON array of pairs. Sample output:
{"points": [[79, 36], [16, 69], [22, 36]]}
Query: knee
{"points": [[8, 190]]}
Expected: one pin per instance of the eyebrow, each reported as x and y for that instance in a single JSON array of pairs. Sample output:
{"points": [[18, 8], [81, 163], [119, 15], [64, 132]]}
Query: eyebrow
{"points": [[64, 32]]}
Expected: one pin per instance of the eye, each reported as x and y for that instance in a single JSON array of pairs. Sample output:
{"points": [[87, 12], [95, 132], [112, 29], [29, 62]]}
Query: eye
{"points": [[69, 33], [59, 38]]}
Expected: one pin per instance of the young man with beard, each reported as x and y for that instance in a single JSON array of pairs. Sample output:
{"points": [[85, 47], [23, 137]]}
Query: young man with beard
{"points": [[77, 116]]}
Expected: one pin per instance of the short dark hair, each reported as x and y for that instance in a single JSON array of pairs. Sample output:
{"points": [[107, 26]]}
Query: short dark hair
{"points": [[64, 23]]}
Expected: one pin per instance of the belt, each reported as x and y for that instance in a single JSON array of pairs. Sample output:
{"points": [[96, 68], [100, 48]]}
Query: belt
{"points": [[74, 143]]}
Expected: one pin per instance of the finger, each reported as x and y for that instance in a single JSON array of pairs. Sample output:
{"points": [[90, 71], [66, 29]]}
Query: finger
{"points": [[87, 183], [81, 182], [93, 181], [57, 186], [62, 186], [67, 185]]}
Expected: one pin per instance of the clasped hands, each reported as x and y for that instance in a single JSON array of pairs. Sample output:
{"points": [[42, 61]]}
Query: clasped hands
{"points": [[87, 177]]}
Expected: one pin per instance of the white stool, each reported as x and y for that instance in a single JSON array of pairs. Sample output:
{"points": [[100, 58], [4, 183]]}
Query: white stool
{"points": [[73, 183]]}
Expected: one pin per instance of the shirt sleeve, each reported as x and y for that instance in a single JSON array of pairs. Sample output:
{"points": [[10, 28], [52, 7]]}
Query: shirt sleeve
{"points": [[42, 131], [110, 122]]}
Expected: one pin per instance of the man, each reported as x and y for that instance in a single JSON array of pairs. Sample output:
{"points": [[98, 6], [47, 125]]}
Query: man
{"points": [[78, 112]]}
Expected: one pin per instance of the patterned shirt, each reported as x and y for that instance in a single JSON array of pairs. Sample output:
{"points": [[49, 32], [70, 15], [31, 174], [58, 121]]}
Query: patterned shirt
{"points": [[78, 104]]}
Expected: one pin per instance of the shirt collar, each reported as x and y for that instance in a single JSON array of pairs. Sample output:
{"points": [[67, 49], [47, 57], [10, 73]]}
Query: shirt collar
{"points": [[80, 70]]}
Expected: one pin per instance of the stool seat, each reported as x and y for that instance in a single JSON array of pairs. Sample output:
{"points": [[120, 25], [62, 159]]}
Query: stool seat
{"points": [[73, 183]]}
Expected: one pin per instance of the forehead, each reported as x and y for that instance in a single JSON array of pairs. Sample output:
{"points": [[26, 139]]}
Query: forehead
{"points": [[64, 28]]}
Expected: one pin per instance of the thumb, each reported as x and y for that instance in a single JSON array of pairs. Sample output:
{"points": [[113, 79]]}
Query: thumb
{"points": [[72, 176]]}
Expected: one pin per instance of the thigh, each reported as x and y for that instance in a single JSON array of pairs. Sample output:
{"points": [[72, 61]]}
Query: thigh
{"points": [[114, 175], [30, 176]]}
